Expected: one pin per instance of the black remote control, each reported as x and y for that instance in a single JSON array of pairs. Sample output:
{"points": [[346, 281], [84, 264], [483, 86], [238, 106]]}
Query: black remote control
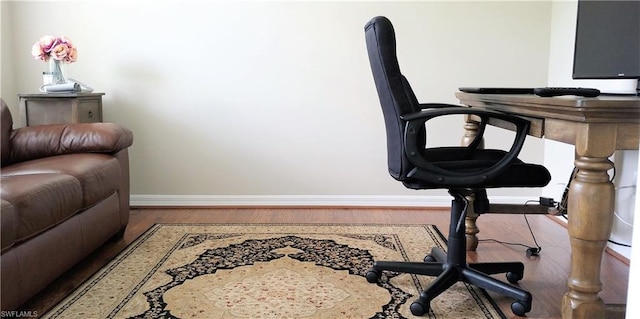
{"points": [[556, 91]]}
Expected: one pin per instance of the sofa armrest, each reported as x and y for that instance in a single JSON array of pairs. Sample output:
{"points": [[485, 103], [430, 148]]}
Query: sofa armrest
{"points": [[33, 142]]}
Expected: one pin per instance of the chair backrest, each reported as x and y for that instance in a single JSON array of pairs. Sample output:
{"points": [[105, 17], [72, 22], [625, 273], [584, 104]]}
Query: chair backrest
{"points": [[395, 93]]}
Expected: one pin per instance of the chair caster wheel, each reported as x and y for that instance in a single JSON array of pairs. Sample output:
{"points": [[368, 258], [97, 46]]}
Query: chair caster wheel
{"points": [[418, 308], [514, 277], [519, 308], [373, 275], [429, 259]]}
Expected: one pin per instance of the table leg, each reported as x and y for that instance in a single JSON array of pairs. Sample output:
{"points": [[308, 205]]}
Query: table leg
{"points": [[471, 228], [590, 213]]}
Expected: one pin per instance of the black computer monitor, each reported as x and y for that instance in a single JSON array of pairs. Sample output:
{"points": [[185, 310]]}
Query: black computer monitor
{"points": [[607, 42]]}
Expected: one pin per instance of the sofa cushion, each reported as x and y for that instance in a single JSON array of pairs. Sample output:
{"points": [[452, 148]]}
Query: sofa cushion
{"points": [[32, 142], [98, 174], [9, 225], [40, 201]]}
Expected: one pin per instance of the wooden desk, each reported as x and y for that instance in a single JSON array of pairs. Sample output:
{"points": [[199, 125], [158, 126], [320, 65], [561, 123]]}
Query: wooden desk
{"points": [[596, 127]]}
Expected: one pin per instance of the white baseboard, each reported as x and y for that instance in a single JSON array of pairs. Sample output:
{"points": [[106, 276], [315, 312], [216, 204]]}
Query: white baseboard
{"points": [[303, 200]]}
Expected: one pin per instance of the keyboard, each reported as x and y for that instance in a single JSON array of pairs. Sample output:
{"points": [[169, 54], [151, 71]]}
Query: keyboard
{"points": [[496, 90], [558, 91]]}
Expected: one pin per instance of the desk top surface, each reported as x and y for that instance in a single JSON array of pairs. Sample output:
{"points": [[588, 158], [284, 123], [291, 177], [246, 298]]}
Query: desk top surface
{"points": [[604, 108], [566, 100]]}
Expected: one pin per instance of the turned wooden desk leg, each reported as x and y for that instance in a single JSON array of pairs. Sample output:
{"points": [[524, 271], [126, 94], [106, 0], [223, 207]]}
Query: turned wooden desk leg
{"points": [[591, 205], [471, 228]]}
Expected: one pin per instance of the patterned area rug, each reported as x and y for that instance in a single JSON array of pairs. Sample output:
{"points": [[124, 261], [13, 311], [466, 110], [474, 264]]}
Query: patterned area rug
{"points": [[268, 271]]}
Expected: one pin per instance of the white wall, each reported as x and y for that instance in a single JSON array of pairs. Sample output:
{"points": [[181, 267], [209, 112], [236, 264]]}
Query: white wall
{"points": [[7, 82], [229, 100]]}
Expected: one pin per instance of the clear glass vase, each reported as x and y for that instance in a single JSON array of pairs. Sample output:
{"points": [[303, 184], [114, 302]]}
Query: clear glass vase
{"points": [[56, 72]]}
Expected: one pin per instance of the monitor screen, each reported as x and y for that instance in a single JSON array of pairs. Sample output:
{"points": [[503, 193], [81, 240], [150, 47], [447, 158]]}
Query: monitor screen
{"points": [[607, 40]]}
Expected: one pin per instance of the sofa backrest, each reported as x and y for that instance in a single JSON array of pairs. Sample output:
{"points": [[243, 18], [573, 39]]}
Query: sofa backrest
{"points": [[6, 126]]}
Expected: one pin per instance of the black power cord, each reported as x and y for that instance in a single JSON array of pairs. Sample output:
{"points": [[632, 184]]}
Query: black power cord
{"points": [[562, 211], [531, 251]]}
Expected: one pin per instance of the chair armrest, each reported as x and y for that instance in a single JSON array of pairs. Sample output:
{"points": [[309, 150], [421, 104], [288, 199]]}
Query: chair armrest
{"points": [[435, 174], [33, 142], [478, 138]]}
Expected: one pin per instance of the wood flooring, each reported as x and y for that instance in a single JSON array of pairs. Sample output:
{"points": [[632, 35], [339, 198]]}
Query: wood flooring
{"points": [[545, 276]]}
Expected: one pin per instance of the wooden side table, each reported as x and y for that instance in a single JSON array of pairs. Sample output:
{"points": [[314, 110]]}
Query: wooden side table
{"points": [[57, 108]]}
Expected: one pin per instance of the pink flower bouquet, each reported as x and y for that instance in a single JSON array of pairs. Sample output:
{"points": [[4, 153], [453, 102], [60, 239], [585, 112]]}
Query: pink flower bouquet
{"points": [[57, 48]]}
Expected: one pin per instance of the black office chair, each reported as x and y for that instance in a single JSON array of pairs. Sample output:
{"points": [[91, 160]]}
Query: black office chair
{"points": [[463, 170]]}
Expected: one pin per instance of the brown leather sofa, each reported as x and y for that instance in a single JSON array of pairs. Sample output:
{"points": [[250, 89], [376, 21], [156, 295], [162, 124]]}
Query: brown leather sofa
{"points": [[65, 192]]}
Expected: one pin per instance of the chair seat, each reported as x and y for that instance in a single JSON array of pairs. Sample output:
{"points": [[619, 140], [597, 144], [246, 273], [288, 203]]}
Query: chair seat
{"points": [[461, 160]]}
